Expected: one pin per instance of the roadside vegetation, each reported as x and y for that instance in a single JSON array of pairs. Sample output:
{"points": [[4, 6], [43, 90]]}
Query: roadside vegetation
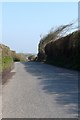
{"points": [[31, 57], [8, 57], [7, 63], [61, 48], [0, 60]]}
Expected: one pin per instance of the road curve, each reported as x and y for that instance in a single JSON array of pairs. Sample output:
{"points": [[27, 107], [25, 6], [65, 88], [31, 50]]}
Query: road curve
{"points": [[37, 90]]}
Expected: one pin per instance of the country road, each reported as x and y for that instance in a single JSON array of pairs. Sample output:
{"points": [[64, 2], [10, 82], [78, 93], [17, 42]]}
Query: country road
{"points": [[37, 90]]}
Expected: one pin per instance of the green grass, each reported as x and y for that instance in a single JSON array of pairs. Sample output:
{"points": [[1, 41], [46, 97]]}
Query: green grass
{"points": [[0, 62], [6, 63]]}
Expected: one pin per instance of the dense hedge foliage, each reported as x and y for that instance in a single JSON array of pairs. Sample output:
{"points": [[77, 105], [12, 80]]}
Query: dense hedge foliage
{"points": [[53, 35], [64, 51]]}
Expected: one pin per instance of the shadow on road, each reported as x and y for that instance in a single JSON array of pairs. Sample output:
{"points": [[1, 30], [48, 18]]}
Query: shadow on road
{"points": [[59, 81]]}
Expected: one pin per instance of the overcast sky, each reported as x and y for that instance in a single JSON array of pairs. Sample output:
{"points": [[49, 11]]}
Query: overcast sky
{"points": [[24, 22]]}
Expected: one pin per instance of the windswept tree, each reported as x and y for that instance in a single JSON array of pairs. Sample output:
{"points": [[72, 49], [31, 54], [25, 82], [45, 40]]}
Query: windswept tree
{"points": [[53, 35]]}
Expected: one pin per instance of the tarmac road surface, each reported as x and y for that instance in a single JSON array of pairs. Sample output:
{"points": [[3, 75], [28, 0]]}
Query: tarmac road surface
{"points": [[37, 90]]}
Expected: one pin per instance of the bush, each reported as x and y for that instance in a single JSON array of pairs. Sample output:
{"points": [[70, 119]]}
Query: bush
{"points": [[65, 51], [53, 35]]}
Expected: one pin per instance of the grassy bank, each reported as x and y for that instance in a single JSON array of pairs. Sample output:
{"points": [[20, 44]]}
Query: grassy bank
{"points": [[7, 62], [0, 61], [7, 59]]}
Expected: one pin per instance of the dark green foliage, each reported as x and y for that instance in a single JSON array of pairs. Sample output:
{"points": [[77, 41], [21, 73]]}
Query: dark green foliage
{"points": [[65, 51], [41, 56], [51, 36], [16, 59]]}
